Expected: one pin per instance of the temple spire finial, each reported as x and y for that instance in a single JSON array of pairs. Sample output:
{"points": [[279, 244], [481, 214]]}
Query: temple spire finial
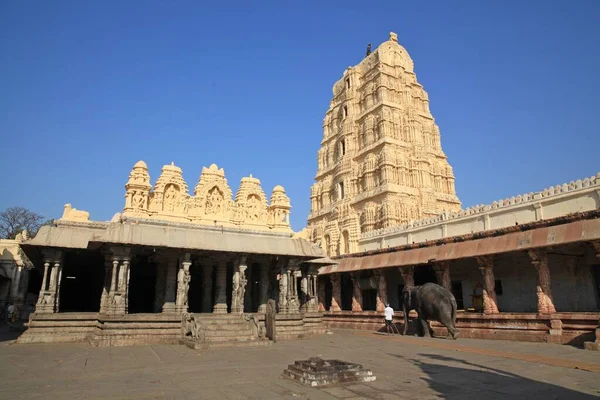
{"points": [[368, 49], [393, 37]]}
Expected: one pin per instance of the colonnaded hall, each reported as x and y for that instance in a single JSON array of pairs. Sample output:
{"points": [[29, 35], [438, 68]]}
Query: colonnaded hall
{"points": [[204, 266]]}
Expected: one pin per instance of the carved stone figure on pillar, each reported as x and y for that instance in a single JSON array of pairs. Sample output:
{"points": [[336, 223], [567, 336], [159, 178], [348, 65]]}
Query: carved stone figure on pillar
{"points": [[356, 292], [490, 303], [381, 289], [539, 259], [336, 293], [442, 273]]}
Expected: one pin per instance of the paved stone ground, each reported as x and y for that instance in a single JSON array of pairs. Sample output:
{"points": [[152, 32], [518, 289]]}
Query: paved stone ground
{"points": [[406, 368]]}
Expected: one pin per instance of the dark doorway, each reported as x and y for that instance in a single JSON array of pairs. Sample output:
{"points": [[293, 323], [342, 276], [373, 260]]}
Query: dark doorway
{"points": [[424, 274], [229, 285], [82, 281], [347, 290], [142, 282], [34, 286], [369, 298], [328, 291], [400, 289], [254, 283], [457, 291], [195, 292], [596, 275]]}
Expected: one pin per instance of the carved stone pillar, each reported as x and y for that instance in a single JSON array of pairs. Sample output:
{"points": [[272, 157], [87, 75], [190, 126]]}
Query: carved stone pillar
{"points": [[321, 293], [408, 276], [49, 299], [486, 267], [304, 291], [220, 289], [239, 286], [313, 291], [264, 287], [539, 260], [207, 305], [283, 290], [336, 293], [595, 345], [104, 299], [442, 273], [170, 285], [14, 285], [183, 284], [381, 289], [117, 298], [356, 292], [293, 305]]}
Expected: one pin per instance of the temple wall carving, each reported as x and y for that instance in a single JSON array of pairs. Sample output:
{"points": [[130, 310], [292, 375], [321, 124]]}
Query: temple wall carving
{"points": [[381, 162], [211, 204]]}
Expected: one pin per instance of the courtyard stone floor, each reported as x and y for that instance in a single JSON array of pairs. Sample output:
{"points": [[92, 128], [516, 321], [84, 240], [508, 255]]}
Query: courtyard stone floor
{"points": [[405, 367]]}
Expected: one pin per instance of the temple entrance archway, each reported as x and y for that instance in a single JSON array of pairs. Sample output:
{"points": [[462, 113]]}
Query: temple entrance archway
{"points": [[142, 283], [81, 282]]}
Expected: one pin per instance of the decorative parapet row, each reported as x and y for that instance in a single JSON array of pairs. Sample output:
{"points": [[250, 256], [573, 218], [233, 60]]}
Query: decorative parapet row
{"points": [[535, 203], [212, 203]]}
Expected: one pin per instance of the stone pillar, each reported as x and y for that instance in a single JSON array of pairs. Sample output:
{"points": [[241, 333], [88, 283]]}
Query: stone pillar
{"points": [[304, 290], [238, 291], [221, 288], [381, 289], [356, 292], [321, 293], [336, 293], [117, 299], [48, 300], [283, 289], [170, 285], [183, 284], [408, 276], [486, 267], [293, 305], [442, 273], [314, 302], [595, 345], [539, 259], [14, 285], [207, 305], [104, 299], [264, 287]]}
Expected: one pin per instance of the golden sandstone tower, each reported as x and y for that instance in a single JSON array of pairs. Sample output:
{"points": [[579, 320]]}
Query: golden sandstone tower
{"points": [[381, 161]]}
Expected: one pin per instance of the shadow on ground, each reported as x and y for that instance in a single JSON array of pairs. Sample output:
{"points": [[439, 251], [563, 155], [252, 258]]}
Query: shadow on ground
{"points": [[475, 381], [8, 333]]}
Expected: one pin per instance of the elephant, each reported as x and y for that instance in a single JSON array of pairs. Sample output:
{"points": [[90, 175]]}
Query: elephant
{"points": [[431, 302]]}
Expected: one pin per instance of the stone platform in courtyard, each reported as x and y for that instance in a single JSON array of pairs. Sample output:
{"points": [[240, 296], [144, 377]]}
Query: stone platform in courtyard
{"points": [[316, 372]]}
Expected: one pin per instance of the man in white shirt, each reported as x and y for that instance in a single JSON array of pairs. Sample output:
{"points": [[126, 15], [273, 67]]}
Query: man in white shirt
{"points": [[389, 315]]}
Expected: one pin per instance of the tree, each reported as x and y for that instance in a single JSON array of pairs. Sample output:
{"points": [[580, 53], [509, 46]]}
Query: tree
{"points": [[14, 220]]}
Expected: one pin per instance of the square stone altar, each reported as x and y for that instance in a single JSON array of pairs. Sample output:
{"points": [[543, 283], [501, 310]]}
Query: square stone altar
{"points": [[316, 372]]}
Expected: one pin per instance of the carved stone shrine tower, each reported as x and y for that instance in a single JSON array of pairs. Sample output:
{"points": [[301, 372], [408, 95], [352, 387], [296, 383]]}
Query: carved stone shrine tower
{"points": [[381, 161]]}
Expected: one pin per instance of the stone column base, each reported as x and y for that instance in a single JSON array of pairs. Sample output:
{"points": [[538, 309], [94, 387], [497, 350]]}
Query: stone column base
{"points": [[180, 309], [592, 346], [262, 309], [220, 309], [169, 307]]}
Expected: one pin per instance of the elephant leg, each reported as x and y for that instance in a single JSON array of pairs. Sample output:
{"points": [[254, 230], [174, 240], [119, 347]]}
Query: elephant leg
{"points": [[446, 320], [424, 327]]}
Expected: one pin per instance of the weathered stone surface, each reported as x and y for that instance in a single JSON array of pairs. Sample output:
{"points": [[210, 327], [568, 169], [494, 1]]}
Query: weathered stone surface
{"points": [[316, 372]]}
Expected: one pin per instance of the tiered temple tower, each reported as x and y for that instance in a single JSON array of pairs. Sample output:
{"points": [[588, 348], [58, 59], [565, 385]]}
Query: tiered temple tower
{"points": [[381, 161]]}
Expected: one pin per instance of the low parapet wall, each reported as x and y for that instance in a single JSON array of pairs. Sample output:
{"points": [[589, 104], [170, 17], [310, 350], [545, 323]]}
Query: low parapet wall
{"points": [[562, 328], [553, 202]]}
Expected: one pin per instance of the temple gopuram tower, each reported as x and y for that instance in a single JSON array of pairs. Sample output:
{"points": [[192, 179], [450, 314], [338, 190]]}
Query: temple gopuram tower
{"points": [[381, 161]]}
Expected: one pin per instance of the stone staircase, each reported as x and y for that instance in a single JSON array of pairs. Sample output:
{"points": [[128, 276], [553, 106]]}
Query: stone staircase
{"points": [[226, 330]]}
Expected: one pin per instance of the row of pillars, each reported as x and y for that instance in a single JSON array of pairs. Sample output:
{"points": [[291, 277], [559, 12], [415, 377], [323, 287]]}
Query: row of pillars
{"points": [[173, 282], [539, 260]]}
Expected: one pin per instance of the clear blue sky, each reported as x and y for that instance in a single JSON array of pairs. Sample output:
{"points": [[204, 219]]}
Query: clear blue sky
{"points": [[89, 88]]}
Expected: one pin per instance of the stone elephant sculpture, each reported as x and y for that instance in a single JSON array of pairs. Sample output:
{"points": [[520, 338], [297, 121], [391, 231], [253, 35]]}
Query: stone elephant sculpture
{"points": [[431, 302]]}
